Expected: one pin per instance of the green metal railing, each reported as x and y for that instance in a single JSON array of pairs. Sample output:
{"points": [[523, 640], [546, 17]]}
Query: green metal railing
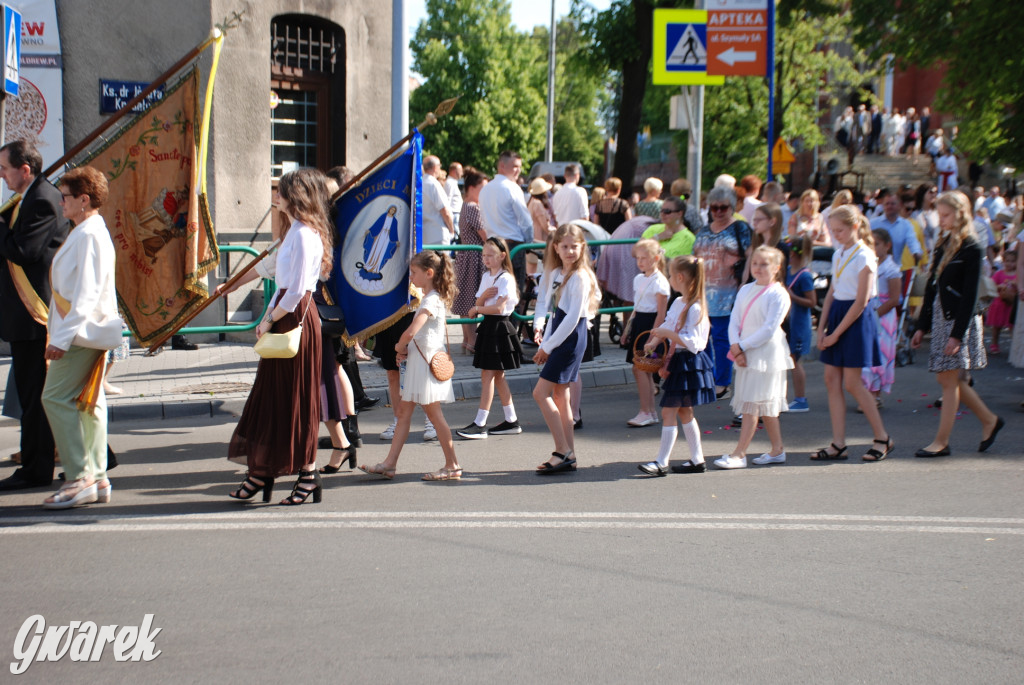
{"points": [[529, 246], [268, 292]]}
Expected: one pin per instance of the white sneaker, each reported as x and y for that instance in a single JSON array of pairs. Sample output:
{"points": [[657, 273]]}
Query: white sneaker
{"points": [[642, 420], [766, 458], [730, 462], [389, 432], [428, 431]]}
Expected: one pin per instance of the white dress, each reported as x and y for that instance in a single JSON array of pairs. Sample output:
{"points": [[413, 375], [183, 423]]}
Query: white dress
{"points": [[418, 384], [760, 386]]}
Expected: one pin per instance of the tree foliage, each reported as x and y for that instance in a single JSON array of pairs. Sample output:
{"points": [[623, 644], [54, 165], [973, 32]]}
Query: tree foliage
{"points": [[975, 41], [470, 48]]}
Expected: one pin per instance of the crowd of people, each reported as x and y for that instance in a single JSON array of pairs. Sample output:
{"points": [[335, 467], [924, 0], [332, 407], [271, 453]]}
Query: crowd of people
{"points": [[725, 307]]}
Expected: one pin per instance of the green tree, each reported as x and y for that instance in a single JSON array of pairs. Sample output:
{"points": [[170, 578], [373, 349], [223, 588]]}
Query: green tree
{"points": [[975, 41], [470, 48]]}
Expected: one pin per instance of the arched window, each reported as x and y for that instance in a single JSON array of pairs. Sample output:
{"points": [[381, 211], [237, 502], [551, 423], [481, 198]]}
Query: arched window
{"points": [[307, 72]]}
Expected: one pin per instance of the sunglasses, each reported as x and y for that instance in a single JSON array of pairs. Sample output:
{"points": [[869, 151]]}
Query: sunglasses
{"points": [[669, 211], [719, 208]]}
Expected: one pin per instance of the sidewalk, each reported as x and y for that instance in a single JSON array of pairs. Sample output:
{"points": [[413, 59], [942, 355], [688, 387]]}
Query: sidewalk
{"points": [[216, 379]]}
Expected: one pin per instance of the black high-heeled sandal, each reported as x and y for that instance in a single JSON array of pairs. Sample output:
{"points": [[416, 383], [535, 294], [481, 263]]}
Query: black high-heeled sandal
{"points": [[350, 457], [250, 488], [309, 483]]}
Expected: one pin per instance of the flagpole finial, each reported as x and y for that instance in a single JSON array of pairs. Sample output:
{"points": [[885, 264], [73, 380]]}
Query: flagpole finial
{"points": [[229, 23], [442, 108]]}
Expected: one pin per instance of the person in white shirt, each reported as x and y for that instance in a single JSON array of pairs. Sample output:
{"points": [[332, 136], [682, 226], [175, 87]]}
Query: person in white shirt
{"points": [[503, 206], [570, 203], [83, 324], [438, 224], [451, 186]]}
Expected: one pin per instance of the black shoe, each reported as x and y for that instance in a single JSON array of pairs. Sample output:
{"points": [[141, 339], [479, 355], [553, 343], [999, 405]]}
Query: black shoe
{"points": [[17, 481], [250, 488], [689, 467], [944, 452], [367, 402], [349, 456], [567, 464], [506, 428], [472, 432], [987, 442], [653, 468], [180, 342], [351, 427], [309, 483]]}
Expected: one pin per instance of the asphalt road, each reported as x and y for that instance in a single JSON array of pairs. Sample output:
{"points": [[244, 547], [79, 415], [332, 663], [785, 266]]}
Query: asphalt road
{"points": [[906, 571]]}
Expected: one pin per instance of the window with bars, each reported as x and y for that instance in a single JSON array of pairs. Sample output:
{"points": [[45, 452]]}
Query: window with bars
{"points": [[307, 61]]}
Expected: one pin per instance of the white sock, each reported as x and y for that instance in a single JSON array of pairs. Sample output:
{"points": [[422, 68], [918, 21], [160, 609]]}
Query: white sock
{"points": [[668, 441], [510, 412], [692, 432], [481, 417]]}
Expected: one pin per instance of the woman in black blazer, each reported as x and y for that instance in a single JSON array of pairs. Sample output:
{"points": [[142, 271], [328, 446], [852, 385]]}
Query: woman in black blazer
{"points": [[949, 312]]}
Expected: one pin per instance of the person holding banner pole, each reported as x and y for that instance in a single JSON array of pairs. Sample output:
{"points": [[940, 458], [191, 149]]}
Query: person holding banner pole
{"points": [[29, 238], [277, 432]]}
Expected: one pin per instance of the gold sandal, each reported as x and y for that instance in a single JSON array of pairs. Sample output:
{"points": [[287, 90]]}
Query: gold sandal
{"points": [[444, 474], [378, 470]]}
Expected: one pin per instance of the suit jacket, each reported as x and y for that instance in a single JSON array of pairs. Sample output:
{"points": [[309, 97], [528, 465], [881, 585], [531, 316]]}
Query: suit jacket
{"points": [[31, 243], [957, 287]]}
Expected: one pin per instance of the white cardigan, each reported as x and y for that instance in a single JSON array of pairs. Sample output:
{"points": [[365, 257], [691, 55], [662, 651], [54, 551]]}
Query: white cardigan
{"points": [[83, 273]]}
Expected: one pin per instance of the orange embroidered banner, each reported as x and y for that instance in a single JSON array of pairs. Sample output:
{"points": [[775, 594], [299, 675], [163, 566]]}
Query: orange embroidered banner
{"points": [[157, 212]]}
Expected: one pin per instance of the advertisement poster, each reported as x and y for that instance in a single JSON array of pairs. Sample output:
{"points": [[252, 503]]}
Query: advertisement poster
{"points": [[37, 114]]}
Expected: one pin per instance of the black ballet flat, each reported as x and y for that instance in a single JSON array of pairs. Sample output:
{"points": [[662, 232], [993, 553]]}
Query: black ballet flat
{"points": [[988, 442], [924, 454]]}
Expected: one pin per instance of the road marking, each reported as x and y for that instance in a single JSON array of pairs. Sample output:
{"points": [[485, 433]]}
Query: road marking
{"points": [[82, 521]]}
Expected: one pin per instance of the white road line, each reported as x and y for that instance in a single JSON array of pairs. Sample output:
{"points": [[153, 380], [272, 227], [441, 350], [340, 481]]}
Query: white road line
{"points": [[84, 522]]}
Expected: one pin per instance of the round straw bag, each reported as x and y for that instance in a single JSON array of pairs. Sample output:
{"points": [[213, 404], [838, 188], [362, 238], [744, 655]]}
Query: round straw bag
{"points": [[648, 362]]}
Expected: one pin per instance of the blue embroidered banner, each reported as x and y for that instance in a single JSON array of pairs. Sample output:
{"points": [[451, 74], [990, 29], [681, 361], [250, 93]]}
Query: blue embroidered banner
{"points": [[380, 227]]}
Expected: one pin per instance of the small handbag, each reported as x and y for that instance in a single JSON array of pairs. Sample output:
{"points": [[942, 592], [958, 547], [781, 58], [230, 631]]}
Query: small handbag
{"points": [[281, 345], [332, 317], [441, 365]]}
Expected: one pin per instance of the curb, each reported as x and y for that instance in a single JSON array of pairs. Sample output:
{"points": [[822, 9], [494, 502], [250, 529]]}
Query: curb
{"points": [[464, 389]]}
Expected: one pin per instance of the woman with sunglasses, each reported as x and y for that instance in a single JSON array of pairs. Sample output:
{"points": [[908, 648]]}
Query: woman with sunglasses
{"points": [[672, 234], [723, 245]]}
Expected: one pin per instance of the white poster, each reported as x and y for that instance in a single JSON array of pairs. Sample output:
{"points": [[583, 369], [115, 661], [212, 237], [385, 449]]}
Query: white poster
{"points": [[37, 114]]}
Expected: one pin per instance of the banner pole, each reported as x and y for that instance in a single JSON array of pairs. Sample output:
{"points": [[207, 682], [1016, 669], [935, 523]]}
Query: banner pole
{"points": [[162, 340], [431, 119]]}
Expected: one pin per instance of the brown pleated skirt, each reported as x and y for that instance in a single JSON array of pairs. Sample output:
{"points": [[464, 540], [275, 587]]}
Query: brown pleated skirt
{"points": [[277, 432]]}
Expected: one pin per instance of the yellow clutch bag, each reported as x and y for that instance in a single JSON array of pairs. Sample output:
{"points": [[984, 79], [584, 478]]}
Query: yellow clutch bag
{"points": [[279, 345]]}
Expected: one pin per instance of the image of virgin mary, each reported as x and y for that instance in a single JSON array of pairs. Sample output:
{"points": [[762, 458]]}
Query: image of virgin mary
{"points": [[379, 245]]}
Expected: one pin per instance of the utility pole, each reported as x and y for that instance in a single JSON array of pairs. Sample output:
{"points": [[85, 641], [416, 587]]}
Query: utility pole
{"points": [[549, 150]]}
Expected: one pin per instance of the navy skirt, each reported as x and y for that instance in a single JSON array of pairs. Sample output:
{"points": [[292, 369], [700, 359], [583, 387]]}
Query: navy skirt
{"points": [[563, 364], [643, 322], [858, 346], [691, 380]]}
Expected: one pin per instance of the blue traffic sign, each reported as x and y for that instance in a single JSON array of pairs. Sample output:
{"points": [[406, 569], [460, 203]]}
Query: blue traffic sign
{"points": [[12, 50], [687, 47]]}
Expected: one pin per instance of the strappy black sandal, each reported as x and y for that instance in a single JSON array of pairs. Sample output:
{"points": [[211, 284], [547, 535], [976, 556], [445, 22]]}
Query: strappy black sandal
{"points": [[309, 483], [824, 455], [251, 487], [876, 455], [349, 456]]}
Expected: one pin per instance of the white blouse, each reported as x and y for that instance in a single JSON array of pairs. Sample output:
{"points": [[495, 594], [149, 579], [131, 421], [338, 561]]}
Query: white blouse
{"points": [[298, 265], [647, 288], [506, 284], [765, 316], [847, 263], [83, 273], [574, 296], [695, 330]]}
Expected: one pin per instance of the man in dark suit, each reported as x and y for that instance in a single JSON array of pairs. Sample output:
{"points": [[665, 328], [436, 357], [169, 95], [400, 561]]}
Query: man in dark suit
{"points": [[876, 130], [29, 238]]}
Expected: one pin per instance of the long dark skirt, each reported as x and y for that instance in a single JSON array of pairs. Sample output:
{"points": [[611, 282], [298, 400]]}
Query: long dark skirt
{"points": [[277, 432], [332, 402]]}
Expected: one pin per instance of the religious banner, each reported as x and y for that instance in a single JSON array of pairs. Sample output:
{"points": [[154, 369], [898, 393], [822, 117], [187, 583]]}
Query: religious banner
{"points": [[157, 212], [380, 227]]}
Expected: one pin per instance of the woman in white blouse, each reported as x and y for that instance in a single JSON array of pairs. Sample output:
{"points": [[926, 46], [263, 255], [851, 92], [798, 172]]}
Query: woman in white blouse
{"points": [[83, 324], [277, 432]]}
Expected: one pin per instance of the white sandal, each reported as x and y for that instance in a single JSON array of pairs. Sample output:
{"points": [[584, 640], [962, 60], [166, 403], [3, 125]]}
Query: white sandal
{"points": [[71, 495]]}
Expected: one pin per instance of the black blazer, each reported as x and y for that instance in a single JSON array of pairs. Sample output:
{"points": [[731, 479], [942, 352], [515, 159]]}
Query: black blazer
{"points": [[957, 286], [31, 243]]}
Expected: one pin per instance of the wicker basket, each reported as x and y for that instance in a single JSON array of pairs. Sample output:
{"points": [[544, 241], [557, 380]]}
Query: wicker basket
{"points": [[648, 362]]}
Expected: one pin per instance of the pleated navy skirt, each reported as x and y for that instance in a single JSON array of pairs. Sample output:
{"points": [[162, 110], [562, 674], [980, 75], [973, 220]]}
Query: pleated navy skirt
{"points": [[858, 345]]}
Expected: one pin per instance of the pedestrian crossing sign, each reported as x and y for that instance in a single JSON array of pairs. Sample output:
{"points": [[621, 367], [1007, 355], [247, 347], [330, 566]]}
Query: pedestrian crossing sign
{"points": [[681, 48]]}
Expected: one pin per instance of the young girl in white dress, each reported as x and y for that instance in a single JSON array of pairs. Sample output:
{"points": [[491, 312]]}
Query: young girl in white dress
{"points": [[689, 373], [650, 300], [570, 294], [879, 379], [761, 354], [497, 345], [433, 273]]}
